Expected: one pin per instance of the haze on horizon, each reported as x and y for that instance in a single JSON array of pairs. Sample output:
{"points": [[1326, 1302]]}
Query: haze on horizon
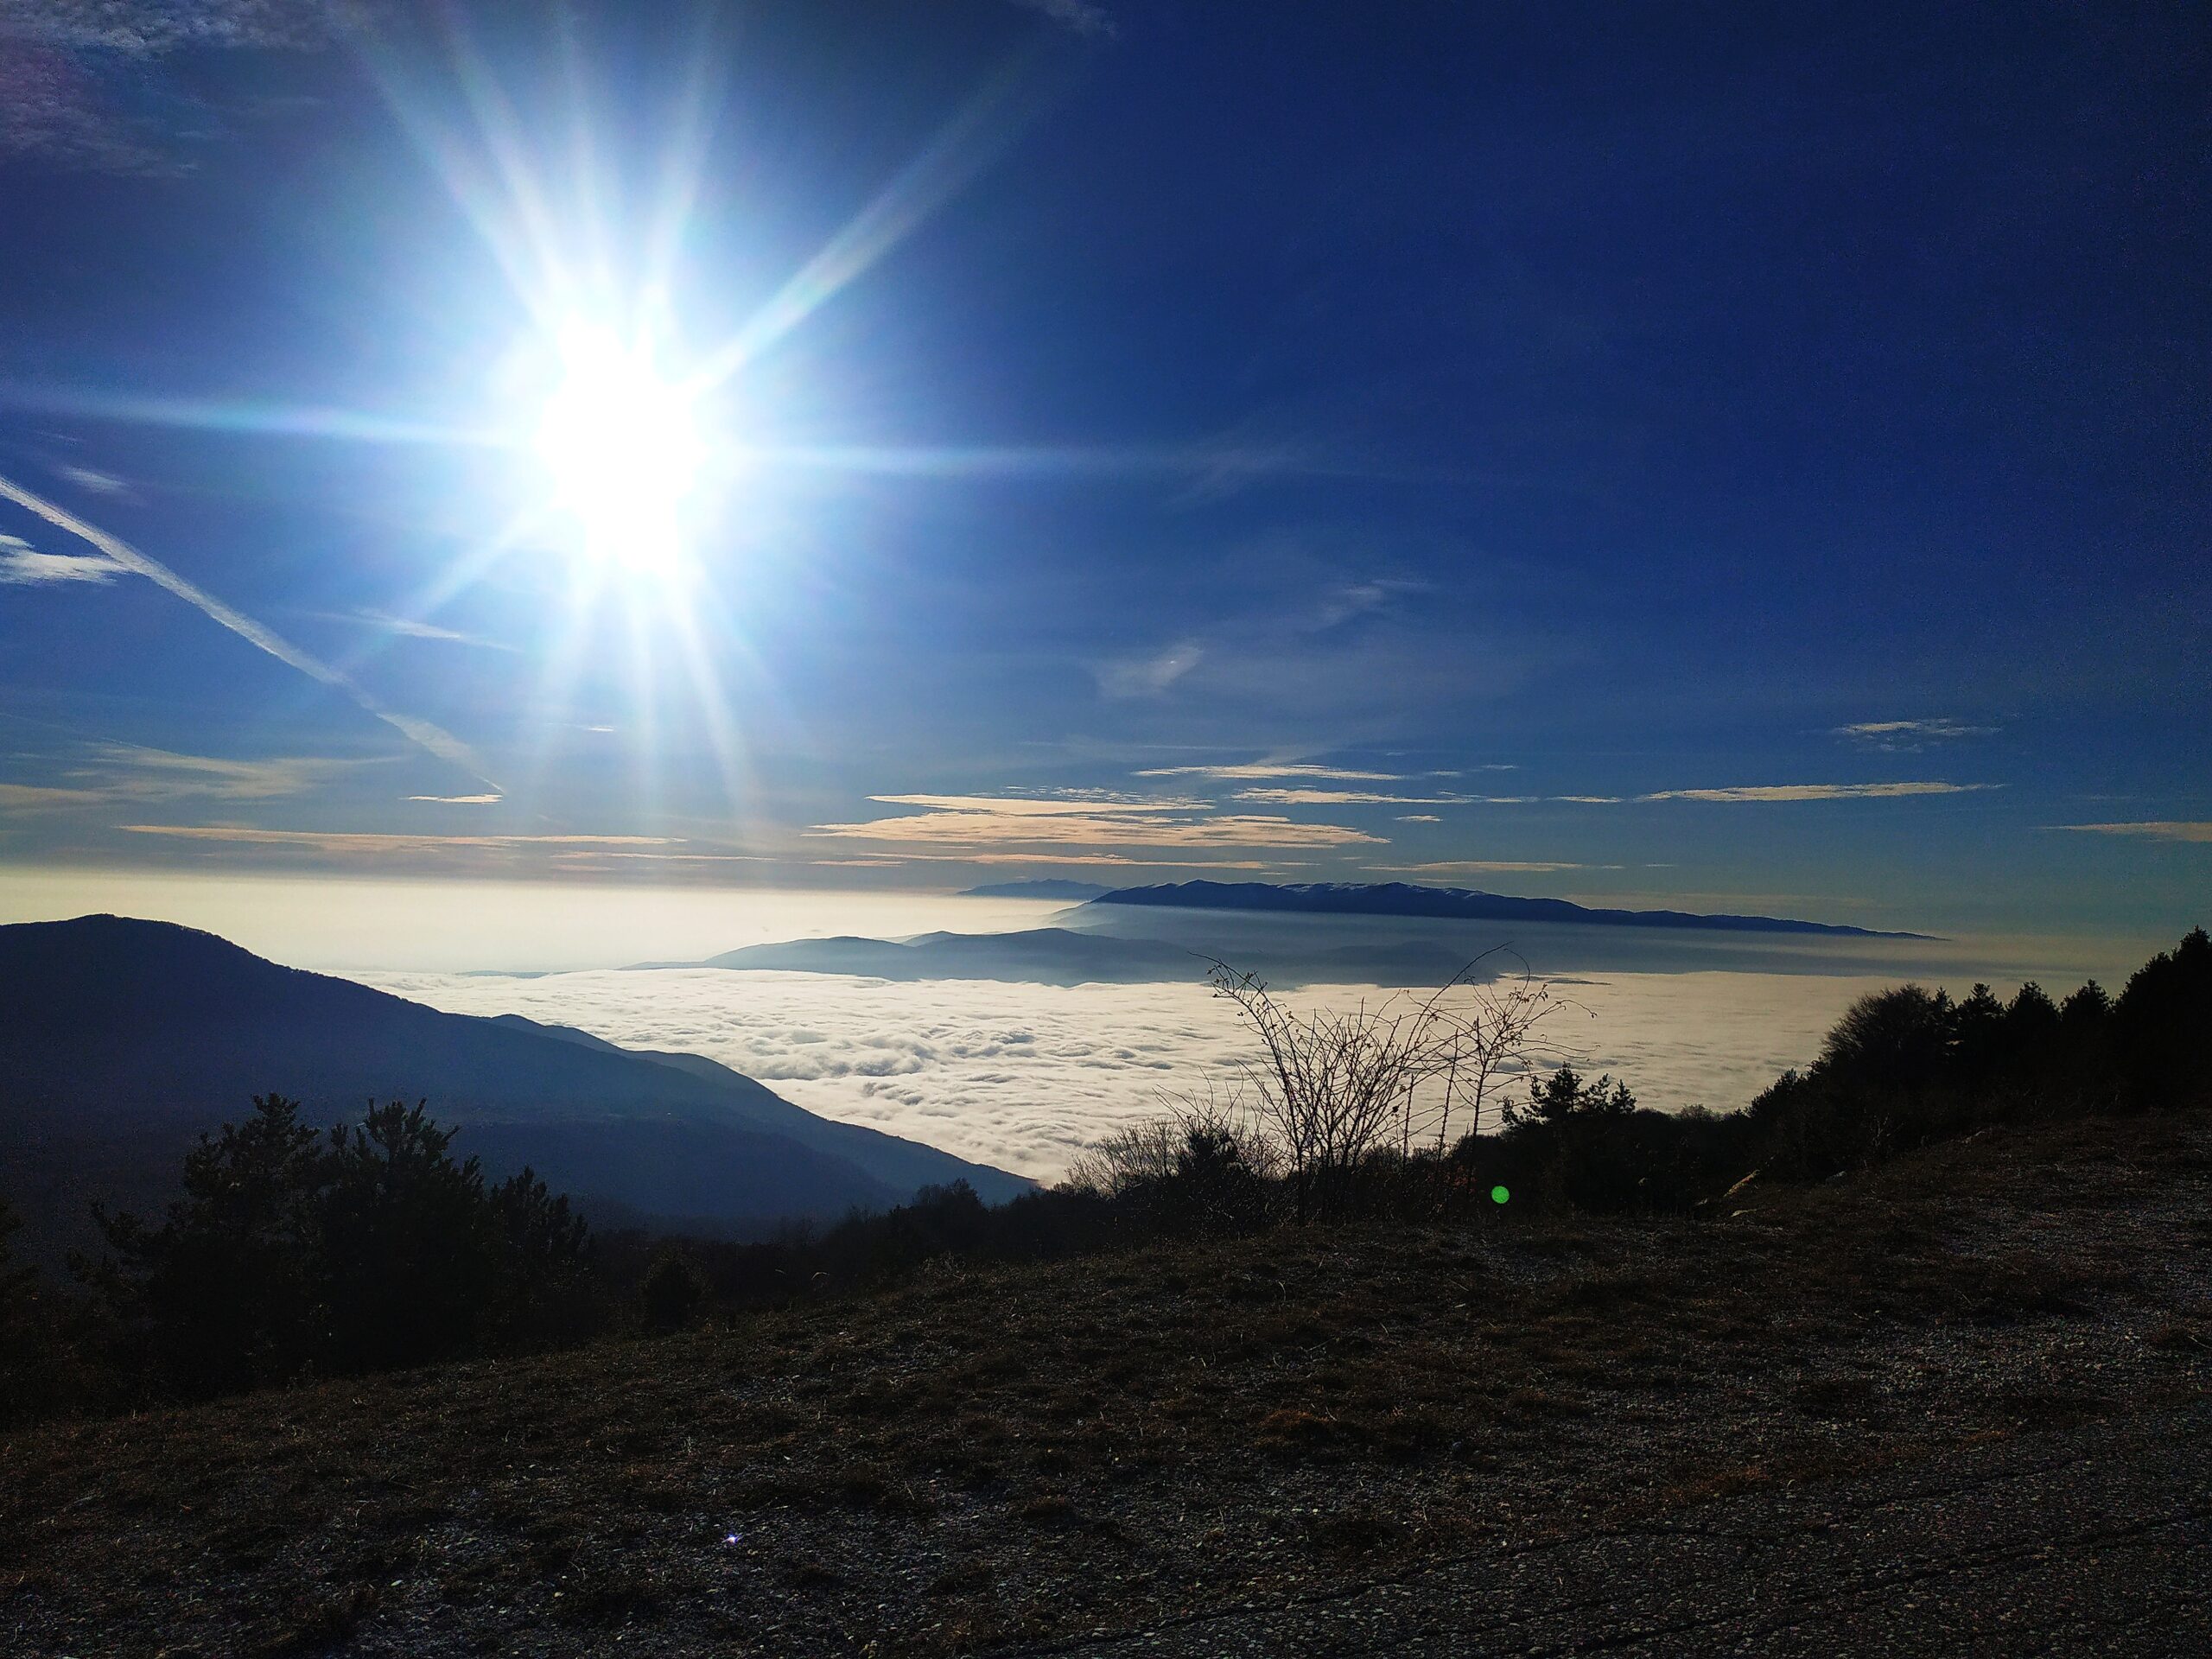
{"points": [[1689, 462]]}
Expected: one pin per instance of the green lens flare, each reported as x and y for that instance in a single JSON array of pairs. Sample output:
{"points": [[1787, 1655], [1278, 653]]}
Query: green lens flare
{"points": [[1499, 1195]]}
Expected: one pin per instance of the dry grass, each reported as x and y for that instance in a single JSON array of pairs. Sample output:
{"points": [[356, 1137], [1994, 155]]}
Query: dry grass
{"points": [[987, 1456]]}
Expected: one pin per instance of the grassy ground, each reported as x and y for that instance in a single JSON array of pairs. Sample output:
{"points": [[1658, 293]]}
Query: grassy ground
{"points": [[1017, 1455]]}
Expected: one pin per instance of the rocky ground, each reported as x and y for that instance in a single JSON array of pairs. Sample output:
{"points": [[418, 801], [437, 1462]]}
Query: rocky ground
{"points": [[1960, 1404]]}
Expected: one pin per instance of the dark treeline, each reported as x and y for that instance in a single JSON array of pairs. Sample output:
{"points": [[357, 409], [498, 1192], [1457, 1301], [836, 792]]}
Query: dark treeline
{"points": [[294, 1254]]}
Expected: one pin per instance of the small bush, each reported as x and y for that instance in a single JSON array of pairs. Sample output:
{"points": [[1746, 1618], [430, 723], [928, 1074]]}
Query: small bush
{"points": [[674, 1292]]}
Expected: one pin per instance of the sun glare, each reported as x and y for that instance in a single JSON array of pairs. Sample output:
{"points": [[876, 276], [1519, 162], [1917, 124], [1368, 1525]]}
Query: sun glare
{"points": [[622, 448]]}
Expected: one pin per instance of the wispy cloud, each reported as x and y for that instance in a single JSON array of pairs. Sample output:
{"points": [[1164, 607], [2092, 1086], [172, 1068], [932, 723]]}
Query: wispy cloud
{"points": [[22, 565], [1418, 817], [1343, 798], [1147, 674], [116, 772], [1087, 860], [99, 483], [691, 858], [1078, 16], [1273, 769], [1813, 791], [1070, 805], [43, 797], [1486, 867], [435, 739], [1898, 736], [77, 71], [983, 830], [361, 841], [410, 628], [2163, 830], [1094, 823], [1740, 793], [135, 770]]}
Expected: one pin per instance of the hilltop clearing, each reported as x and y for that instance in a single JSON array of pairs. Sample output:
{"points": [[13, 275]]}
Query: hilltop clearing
{"points": [[1804, 1414]]}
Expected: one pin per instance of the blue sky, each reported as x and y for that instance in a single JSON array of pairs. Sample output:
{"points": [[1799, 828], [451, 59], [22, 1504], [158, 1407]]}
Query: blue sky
{"points": [[1645, 454]]}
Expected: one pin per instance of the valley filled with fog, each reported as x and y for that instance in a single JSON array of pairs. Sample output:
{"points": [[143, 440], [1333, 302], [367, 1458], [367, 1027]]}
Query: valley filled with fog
{"points": [[1022, 1075], [1019, 1073]]}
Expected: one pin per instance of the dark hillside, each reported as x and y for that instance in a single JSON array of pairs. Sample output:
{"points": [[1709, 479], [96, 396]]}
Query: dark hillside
{"points": [[1411, 899], [1893, 1410], [123, 1038]]}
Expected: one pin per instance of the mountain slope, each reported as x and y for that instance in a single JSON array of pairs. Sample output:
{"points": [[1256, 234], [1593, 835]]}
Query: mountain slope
{"points": [[906, 1166], [1405, 899], [123, 1038], [1050, 887]]}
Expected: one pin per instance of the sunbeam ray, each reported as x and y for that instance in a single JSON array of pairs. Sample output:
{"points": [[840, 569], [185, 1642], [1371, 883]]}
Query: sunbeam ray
{"points": [[982, 131]]}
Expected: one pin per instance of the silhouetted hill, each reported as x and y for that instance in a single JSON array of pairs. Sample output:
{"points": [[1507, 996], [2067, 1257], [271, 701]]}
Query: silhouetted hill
{"points": [[1058, 956], [1047, 955], [123, 1038], [1405, 899], [1042, 888]]}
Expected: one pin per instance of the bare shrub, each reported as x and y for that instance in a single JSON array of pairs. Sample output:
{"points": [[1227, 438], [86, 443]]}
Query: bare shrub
{"points": [[1158, 1148], [1212, 1143], [1333, 1089], [1129, 1158]]}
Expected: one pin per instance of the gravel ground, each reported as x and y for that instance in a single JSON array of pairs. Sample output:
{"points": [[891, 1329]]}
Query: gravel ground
{"points": [[2087, 1540], [1958, 1405]]}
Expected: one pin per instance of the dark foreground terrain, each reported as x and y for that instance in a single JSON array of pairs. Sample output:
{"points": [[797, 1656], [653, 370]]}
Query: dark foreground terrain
{"points": [[1960, 1404]]}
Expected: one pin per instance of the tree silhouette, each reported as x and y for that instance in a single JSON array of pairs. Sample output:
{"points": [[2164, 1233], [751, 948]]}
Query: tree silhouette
{"points": [[292, 1254], [15, 1281], [2161, 1026], [223, 1294]]}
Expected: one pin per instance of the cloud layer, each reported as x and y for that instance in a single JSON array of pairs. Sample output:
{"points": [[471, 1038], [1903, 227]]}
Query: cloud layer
{"points": [[2164, 830], [1905, 735], [1811, 792], [1090, 823], [1025, 1076]]}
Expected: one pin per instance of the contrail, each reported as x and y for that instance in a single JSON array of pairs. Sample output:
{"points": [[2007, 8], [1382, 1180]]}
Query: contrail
{"points": [[435, 739]]}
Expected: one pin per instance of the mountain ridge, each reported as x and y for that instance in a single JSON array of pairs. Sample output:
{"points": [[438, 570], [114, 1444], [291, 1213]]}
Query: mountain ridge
{"points": [[125, 1038], [1470, 904], [1047, 887]]}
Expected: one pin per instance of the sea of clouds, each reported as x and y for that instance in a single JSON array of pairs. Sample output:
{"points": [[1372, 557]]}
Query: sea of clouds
{"points": [[1024, 1076]]}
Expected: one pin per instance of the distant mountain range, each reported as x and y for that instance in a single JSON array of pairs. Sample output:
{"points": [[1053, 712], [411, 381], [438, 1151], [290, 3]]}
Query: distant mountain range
{"points": [[1042, 887], [1040, 956], [122, 1039], [1107, 954], [1058, 956], [1461, 904]]}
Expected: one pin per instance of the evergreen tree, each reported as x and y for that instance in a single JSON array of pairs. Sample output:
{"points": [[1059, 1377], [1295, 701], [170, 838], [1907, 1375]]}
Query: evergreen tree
{"points": [[410, 1244], [292, 1252], [2162, 1027], [223, 1294]]}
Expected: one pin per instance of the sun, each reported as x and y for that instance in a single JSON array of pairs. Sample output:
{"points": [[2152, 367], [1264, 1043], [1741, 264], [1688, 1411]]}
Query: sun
{"points": [[622, 448]]}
